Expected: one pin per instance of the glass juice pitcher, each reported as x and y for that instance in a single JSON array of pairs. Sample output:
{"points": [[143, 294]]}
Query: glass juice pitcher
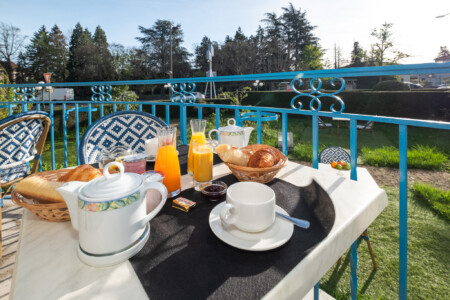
{"points": [[167, 160], [198, 134]]}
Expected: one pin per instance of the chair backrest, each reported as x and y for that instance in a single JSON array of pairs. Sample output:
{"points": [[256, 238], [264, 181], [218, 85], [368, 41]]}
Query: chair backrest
{"points": [[333, 153], [22, 139], [321, 122], [125, 128]]}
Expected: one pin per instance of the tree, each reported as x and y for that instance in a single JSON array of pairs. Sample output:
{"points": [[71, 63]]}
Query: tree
{"points": [[201, 62], [85, 55], [59, 54], [275, 55], [443, 53], [298, 34], [384, 45], [73, 63], [311, 58], [338, 60], [358, 56], [102, 57], [11, 42], [38, 54], [156, 42]]}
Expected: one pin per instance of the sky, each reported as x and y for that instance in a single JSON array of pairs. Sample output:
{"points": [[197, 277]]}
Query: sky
{"points": [[416, 30]]}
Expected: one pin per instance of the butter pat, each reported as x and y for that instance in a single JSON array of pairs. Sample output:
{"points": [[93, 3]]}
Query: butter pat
{"points": [[183, 204]]}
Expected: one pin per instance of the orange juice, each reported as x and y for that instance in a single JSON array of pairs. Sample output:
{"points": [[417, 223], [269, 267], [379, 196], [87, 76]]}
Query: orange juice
{"points": [[203, 162], [167, 162], [196, 136]]}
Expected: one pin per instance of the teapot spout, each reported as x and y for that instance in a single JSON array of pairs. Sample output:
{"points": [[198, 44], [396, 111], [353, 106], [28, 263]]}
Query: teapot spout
{"points": [[247, 132], [69, 191]]}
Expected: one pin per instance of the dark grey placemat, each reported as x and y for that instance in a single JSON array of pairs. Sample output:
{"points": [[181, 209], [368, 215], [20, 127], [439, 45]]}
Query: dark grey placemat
{"points": [[183, 259]]}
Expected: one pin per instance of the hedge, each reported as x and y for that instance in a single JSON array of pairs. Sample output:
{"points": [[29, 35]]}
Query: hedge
{"points": [[427, 105]]}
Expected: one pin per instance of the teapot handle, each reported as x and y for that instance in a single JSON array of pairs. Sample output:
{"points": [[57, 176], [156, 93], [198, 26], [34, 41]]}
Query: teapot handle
{"points": [[143, 192], [215, 142]]}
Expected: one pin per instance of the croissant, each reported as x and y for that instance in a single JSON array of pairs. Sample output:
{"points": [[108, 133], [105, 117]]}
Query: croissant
{"points": [[36, 187], [81, 173], [232, 155], [264, 158]]}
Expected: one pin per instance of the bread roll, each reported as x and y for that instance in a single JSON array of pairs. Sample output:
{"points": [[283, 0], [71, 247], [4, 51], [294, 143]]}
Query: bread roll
{"points": [[81, 173], [261, 159], [265, 157], [232, 155], [38, 188]]}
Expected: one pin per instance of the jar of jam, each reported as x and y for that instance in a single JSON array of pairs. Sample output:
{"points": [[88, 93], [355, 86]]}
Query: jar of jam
{"points": [[215, 191]]}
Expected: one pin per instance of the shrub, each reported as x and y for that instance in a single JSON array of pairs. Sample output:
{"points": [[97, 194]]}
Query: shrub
{"points": [[391, 85], [304, 152], [122, 93], [419, 104], [419, 157], [437, 198]]}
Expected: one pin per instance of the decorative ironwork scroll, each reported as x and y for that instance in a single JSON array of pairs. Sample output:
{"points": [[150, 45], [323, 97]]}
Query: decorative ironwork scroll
{"points": [[101, 93], [315, 94], [183, 93], [25, 94]]}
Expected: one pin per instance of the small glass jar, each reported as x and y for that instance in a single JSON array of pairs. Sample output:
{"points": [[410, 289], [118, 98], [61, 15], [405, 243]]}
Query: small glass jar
{"points": [[215, 191], [135, 163]]}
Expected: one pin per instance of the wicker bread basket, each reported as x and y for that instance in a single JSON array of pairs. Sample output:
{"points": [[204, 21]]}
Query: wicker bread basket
{"points": [[54, 212], [261, 175]]}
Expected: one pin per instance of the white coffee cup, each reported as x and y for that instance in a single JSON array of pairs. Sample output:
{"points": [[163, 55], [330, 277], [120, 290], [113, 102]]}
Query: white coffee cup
{"points": [[151, 148], [250, 206]]}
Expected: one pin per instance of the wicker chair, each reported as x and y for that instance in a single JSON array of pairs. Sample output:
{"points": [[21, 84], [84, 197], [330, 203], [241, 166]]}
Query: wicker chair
{"points": [[22, 139], [335, 153], [125, 128]]}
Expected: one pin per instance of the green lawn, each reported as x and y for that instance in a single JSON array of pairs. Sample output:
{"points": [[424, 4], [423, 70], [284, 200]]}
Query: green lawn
{"points": [[428, 259]]}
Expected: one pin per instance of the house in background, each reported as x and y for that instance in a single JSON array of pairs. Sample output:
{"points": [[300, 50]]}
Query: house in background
{"points": [[14, 69], [431, 80]]}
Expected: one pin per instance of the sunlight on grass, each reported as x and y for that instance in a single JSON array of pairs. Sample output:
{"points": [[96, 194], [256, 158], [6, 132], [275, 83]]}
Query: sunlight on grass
{"points": [[428, 260]]}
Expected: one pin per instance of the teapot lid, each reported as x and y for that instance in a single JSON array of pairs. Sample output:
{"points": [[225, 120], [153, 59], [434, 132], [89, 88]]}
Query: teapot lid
{"points": [[111, 186], [231, 126]]}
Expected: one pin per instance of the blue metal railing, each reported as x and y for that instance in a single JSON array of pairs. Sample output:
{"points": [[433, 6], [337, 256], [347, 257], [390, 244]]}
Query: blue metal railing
{"points": [[183, 99]]}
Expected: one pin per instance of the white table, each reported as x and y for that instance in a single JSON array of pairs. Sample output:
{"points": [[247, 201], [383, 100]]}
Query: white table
{"points": [[337, 125], [47, 266]]}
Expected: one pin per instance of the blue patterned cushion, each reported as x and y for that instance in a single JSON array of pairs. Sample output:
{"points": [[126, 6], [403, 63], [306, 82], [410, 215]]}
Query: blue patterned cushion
{"points": [[330, 154], [17, 143], [11, 174], [129, 130]]}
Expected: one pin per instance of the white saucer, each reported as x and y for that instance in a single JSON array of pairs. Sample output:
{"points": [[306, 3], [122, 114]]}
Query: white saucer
{"points": [[273, 237], [109, 260]]}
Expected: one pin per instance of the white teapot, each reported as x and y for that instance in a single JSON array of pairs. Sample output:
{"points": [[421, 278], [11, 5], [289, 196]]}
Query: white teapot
{"points": [[110, 214], [232, 135]]}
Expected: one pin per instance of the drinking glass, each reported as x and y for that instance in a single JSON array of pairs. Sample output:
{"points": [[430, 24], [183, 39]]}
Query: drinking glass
{"points": [[167, 160], [203, 163], [115, 153], [198, 134]]}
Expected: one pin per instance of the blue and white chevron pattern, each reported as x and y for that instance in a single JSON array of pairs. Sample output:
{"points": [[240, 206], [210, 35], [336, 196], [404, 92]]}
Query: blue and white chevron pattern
{"points": [[126, 130], [17, 143], [330, 154]]}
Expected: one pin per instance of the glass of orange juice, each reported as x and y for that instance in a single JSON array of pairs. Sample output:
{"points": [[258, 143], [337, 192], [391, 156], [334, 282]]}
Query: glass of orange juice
{"points": [[167, 160], [198, 134], [203, 163]]}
